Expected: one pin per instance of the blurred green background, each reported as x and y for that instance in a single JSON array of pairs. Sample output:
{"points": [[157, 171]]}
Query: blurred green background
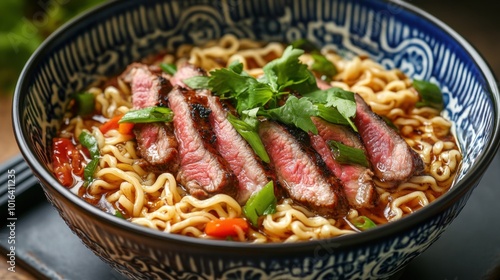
{"points": [[24, 24]]}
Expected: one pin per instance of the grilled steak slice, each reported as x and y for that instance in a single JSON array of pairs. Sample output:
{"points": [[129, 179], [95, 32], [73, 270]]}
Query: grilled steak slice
{"points": [[391, 157], [251, 172], [299, 173], [147, 87], [157, 145], [356, 179], [156, 141], [203, 172]]}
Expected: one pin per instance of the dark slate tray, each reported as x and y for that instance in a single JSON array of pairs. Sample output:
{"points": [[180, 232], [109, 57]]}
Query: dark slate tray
{"points": [[468, 249]]}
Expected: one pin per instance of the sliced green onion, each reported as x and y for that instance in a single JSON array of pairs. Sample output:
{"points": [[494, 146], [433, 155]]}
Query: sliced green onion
{"points": [[260, 203], [84, 103], [90, 142], [363, 223], [148, 115], [119, 214], [348, 155], [430, 95], [89, 170], [249, 132], [168, 68]]}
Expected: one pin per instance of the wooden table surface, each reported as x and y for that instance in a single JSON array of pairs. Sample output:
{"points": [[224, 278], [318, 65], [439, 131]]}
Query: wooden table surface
{"points": [[475, 20]]}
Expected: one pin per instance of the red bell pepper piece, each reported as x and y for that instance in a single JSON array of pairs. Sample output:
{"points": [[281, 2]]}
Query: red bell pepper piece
{"points": [[66, 161]]}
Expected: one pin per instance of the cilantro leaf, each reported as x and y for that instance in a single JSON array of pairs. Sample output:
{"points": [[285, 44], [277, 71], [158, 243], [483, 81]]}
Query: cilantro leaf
{"points": [[341, 99], [323, 66], [296, 112], [287, 72]]}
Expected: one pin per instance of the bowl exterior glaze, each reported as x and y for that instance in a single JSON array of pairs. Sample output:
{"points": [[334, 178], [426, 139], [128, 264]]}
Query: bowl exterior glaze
{"points": [[102, 42]]}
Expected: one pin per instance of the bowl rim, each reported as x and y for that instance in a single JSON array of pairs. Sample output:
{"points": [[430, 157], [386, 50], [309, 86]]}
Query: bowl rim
{"points": [[385, 231]]}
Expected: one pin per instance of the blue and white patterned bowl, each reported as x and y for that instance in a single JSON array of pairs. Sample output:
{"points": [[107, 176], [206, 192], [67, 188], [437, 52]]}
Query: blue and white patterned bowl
{"points": [[103, 41]]}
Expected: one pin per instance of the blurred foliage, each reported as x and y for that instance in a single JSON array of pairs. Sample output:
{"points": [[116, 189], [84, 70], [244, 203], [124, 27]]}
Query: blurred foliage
{"points": [[24, 24]]}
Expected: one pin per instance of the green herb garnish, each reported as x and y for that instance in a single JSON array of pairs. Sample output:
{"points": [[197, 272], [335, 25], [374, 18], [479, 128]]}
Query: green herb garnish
{"points": [[321, 64], [148, 115], [84, 103], [260, 203], [168, 68], [119, 214], [89, 142], [248, 129], [430, 95], [363, 223], [270, 96], [348, 155]]}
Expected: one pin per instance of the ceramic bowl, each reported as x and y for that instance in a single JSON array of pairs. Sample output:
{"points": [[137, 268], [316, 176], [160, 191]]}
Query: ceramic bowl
{"points": [[101, 42]]}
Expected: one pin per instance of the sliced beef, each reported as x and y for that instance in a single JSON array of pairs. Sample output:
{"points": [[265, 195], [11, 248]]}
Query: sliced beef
{"points": [[391, 157], [356, 179], [251, 172], [156, 141], [203, 171], [157, 145], [147, 87], [300, 172]]}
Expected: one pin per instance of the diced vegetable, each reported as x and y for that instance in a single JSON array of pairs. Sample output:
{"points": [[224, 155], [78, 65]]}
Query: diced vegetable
{"points": [[85, 103], [66, 161], [125, 128], [110, 124], [260, 203], [114, 123], [89, 142], [430, 95], [148, 115], [168, 68], [348, 155], [223, 228], [363, 223]]}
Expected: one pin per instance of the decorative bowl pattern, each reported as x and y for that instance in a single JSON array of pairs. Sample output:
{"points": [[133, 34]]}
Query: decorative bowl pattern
{"points": [[103, 41]]}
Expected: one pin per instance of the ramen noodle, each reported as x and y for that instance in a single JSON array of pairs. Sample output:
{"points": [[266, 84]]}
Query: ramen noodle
{"points": [[158, 201]]}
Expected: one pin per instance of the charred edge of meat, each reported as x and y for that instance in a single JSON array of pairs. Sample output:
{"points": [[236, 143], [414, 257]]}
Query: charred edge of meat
{"points": [[194, 132], [246, 165], [165, 88], [327, 198], [356, 180]]}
